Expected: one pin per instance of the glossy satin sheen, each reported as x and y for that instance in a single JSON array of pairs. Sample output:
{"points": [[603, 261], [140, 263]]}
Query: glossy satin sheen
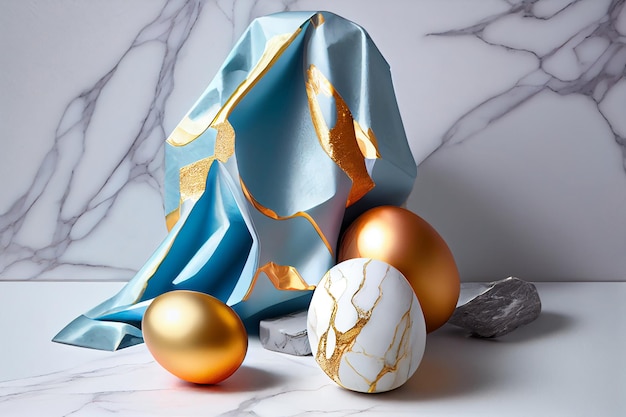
{"points": [[195, 336], [300, 117], [406, 241]]}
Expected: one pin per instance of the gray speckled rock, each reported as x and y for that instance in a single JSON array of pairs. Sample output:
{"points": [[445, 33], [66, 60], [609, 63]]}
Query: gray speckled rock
{"points": [[498, 308], [286, 334]]}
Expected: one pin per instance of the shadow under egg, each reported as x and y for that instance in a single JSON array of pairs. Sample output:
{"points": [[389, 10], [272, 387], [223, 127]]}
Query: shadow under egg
{"points": [[245, 379]]}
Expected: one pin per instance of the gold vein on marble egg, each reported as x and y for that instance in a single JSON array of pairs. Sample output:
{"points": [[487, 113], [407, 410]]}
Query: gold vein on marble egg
{"points": [[402, 345], [344, 340], [404, 340]]}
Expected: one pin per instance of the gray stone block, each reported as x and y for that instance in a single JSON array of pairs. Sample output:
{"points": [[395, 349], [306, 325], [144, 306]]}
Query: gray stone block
{"points": [[498, 308], [286, 334]]}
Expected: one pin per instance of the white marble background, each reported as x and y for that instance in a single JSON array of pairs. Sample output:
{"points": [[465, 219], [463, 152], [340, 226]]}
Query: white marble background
{"points": [[516, 112]]}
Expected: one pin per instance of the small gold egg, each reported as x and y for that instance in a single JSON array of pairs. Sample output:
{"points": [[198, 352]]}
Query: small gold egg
{"points": [[403, 239], [195, 336]]}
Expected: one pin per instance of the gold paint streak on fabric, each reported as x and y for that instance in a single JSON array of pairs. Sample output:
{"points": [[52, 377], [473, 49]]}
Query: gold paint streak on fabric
{"points": [[318, 20], [368, 144], [189, 130], [274, 48], [224, 141], [339, 142], [171, 218], [283, 277], [273, 215], [193, 178], [344, 340]]}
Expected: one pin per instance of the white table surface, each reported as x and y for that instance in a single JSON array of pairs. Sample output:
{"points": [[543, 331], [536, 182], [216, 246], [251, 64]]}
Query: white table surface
{"points": [[570, 362]]}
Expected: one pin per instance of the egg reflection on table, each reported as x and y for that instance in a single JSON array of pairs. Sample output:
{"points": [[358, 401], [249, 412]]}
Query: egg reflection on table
{"points": [[195, 336], [365, 326]]}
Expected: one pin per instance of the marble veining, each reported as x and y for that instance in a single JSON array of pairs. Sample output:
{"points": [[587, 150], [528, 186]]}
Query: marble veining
{"points": [[587, 57], [286, 334], [529, 371], [365, 326], [498, 309], [54, 185], [84, 199], [256, 389]]}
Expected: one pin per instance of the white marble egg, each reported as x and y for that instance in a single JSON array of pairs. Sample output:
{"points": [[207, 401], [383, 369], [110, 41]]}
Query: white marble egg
{"points": [[365, 326]]}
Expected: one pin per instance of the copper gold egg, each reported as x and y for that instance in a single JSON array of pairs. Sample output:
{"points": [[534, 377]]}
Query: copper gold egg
{"points": [[195, 336], [403, 239]]}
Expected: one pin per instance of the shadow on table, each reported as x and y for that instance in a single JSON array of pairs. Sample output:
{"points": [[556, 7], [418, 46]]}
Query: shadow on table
{"points": [[548, 324], [246, 379], [457, 364], [450, 368]]}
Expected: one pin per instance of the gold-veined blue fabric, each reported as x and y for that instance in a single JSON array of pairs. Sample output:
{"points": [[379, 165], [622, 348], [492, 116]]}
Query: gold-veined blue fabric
{"points": [[298, 133]]}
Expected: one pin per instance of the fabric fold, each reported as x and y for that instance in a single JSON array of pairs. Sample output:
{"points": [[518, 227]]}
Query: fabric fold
{"points": [[297, 134]]}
